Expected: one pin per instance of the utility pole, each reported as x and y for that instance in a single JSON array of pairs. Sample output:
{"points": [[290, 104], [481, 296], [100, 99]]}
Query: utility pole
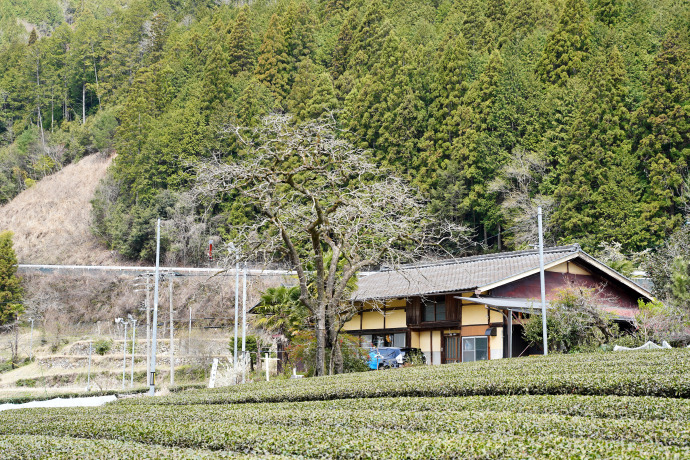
{"points": [[152, 383], [134, 337], [119, 321], [88, 375], [189, 340], [148, 333], [31, 341], [172, 337], [237, 301], [543, 284], [244, 323]]}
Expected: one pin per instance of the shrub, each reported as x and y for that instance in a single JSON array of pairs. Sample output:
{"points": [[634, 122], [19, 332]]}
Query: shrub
{"points": [[302, 351], [102, 346], [573, 323]]}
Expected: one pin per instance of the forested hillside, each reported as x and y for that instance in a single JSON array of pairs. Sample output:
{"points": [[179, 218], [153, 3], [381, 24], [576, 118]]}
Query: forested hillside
{"points": [[488, 107]]}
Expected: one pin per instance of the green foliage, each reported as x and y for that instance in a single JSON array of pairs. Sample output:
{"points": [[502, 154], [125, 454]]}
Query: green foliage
{"points": [[664, 133], [568, 46], [445, 93], [302, 350], [102, 346], [11, 291], [280, 311], [241, 45], [598, 192], [274, 61], [657, 321], [574, 321], [584, 405]]}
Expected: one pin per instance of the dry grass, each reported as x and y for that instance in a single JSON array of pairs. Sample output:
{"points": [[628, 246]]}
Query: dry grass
{"points": [[51, 220]]}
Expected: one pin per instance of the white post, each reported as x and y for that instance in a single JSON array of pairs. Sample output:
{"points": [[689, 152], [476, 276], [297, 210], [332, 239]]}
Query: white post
{"points": [[148, 333], [237, 301], [541, 280], [152, 383], [31, 341], [124, 356], [189, 340], [134, 338], [172, 336], [88, 375], [244, 323], [214, 370], [267, 365]]}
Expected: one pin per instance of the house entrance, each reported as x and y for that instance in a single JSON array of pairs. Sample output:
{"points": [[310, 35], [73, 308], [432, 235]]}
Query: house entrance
{"points": [[453, 349], [464, 349]]}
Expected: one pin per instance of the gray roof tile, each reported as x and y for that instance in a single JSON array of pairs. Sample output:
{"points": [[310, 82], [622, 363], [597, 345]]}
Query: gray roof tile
{"points": [[454, 275]]}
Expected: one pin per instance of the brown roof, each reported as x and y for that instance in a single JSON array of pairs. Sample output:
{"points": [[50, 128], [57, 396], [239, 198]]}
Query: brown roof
{"points": [[463, 274]]}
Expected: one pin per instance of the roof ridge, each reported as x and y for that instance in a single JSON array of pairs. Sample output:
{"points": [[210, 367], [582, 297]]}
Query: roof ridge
{"points": [[499, 255]]}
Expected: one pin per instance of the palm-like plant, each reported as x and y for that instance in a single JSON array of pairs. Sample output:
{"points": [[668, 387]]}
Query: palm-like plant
{"points": [[281, 311]]}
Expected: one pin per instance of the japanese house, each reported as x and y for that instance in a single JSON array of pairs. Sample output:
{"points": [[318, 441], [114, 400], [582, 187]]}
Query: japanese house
{"points": [[470, 308]]}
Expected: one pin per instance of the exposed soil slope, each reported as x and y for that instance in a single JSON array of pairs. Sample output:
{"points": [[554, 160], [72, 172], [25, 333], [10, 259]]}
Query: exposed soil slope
{"points": [[51, 220]]}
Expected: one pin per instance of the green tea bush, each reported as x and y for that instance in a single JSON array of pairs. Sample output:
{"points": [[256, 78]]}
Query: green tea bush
{"points": [[325, 431], [664, 373]]}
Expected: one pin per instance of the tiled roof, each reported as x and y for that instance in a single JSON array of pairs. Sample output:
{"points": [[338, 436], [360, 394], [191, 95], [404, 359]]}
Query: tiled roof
{"points": [[463, 274]]}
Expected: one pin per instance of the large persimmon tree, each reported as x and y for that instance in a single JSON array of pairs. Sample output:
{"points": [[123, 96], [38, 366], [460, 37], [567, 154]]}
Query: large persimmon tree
{"points": [[323, 206]]}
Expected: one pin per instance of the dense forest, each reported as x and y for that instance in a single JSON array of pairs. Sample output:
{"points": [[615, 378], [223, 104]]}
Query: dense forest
{"points": [[488, 107]]}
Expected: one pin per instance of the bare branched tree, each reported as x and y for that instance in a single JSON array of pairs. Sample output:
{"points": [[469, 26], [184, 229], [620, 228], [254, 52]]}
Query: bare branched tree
{"points": [[187, 232], [518, 183], [322, 205]]}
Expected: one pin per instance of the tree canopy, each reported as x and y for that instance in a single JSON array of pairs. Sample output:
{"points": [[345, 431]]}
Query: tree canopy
{"points": [[450, 95], [11, 292]]}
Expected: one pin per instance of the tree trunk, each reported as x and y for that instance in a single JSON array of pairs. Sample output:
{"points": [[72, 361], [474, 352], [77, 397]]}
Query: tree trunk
{"points": [[320, 341], [83, 103], [337, 357], [15, 346]]}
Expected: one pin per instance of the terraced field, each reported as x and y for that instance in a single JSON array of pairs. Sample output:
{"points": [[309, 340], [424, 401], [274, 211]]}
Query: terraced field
{"points": [[627, 405]]}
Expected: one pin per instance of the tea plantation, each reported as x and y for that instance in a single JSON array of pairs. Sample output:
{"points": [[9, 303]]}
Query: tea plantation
{"points": [[603, 405]]}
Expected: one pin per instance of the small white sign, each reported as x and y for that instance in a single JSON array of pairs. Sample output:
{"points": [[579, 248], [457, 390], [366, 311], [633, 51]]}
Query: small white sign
{"points": [[214, 370]]}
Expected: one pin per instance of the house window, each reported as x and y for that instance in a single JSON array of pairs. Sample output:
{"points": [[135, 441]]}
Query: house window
{"points": [[475, 349], [386, 340], [435, 309]]}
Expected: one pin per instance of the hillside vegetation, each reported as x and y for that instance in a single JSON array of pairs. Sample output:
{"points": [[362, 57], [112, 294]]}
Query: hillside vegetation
{"points": [[379, 417], [51, 220], [489, 107]]}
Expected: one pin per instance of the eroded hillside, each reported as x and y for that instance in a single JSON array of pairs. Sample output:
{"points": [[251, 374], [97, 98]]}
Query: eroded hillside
{"points": [[51, 219]]}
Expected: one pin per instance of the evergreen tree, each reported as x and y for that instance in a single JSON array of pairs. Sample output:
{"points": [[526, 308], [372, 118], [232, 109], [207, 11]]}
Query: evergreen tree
{"points": [[273, 69], [216, 75], [312, 94], [598, 191], [568, 46], [474, 24], [448, 89], [11, 292], [608, 11], [33, 37], [342, 46], [299, 32], [241, 45], [136, 120], [496, 10], [369, 38], [520, 19], [480, 151], [391, 116], [255, 101], [663, 123]]}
